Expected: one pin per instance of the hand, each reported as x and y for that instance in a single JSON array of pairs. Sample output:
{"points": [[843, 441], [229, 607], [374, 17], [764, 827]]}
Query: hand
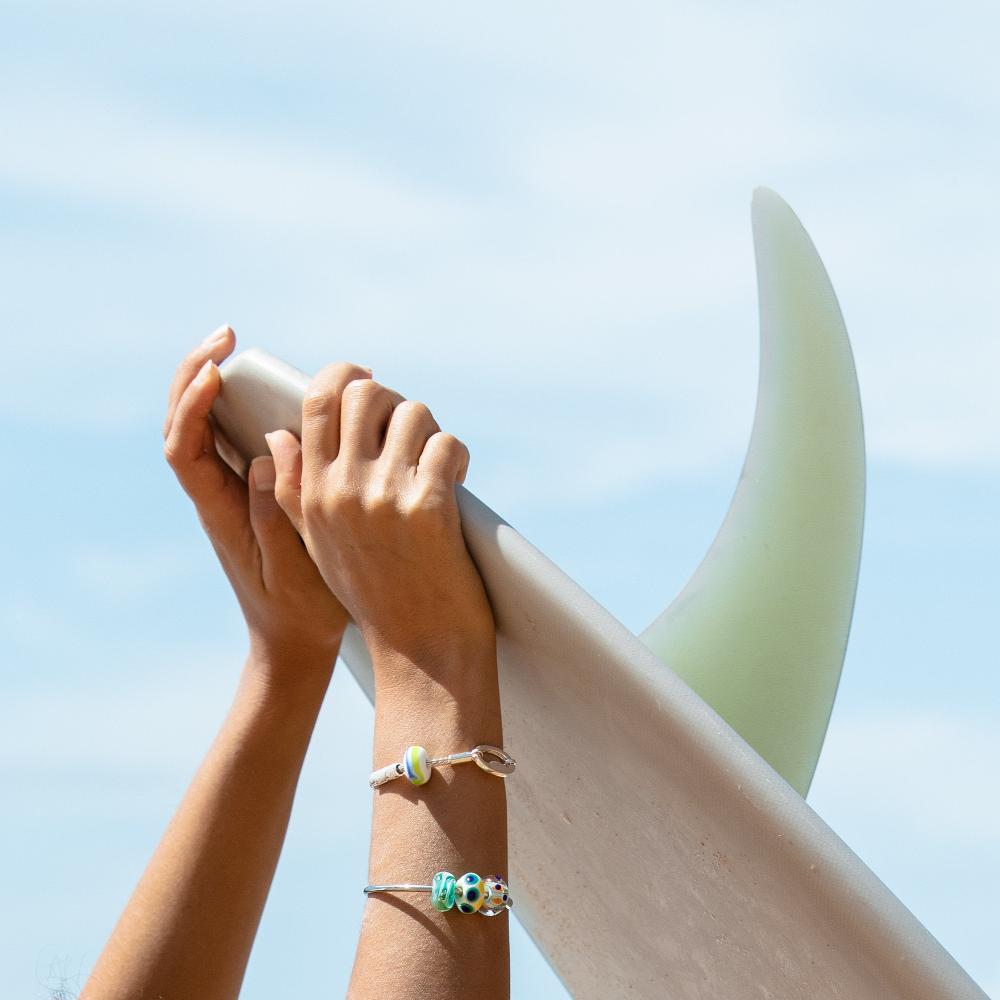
{"points": [[295, 623], [371, 490]]}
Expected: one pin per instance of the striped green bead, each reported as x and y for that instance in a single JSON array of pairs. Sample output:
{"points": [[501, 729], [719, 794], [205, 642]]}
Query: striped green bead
{"points": [[443, 891], [415, 766], [469, 893]]}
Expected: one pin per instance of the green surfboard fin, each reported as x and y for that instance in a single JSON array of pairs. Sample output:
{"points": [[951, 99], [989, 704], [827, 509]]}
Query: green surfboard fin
{"points": [[760, 629]]}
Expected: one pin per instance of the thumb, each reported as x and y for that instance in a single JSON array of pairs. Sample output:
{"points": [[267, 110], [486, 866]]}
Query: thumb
{"points": [[277, 538], [287, 454]]}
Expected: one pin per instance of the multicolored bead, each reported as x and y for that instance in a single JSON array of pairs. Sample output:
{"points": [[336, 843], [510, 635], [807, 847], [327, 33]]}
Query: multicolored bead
{"points": [[415, 766], [496, 897], [496, 891], [443, 891], [469, 893]]}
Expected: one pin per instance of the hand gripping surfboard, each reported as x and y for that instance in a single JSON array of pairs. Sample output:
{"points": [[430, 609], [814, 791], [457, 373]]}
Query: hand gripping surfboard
{"points": [[660, 844]]}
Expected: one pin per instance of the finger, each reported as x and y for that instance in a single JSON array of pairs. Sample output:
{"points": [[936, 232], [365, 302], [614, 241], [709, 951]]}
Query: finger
{"points": [[277, 538], [217, 346], [444, 459], [321, 415], [365, 411], [190, 450], [287, 457], [410, 426]]}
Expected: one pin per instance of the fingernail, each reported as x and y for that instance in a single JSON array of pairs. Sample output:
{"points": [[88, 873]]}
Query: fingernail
{"points": [[267, 440], [216, 336], [204, 373], [262, 470]]}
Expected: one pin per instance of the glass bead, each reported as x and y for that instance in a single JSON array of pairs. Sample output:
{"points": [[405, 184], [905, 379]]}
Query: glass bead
{"points": [[496, 897], [443, 891], [469, 893], [415, 766]]}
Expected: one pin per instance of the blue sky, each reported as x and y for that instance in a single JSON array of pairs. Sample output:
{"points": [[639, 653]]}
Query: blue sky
{"points": [[538, 222]]}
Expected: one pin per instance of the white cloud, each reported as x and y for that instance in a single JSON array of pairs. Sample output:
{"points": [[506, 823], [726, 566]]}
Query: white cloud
{"points": [[610, 229], [105, 149]]}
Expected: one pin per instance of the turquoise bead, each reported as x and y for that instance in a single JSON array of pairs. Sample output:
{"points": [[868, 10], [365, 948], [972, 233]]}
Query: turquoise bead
{"points": [[469, 893], [443, 891]]}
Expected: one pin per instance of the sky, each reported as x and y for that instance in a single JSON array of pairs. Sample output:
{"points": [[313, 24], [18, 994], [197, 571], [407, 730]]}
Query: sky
{"points": [[536, 218]]}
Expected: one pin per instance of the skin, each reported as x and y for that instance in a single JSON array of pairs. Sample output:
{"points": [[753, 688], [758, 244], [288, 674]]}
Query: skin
{"points": [[371, 492]]}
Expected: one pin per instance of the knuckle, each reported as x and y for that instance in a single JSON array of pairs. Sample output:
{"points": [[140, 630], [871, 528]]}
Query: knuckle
{"points": [[414, 408], [325, 385], [310, 495], [336, 496], [380, 487], [343, 371], [345, 494], [327, 377], [414, 412], [315, 403], [362, 388], [170, 452], [450, 445], [284, 492], [380, 505], [425, 505]]}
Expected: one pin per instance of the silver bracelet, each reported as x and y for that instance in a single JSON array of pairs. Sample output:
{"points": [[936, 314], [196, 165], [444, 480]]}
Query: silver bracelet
{"points": [[469, 894], [418, 767]]}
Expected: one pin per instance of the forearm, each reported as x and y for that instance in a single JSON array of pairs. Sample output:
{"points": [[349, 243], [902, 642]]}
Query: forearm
{"points": [[457, 822], [189, 926]]}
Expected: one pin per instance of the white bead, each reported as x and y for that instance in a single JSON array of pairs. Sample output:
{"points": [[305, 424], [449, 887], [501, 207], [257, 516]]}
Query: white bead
{"points": [[415, 766]]}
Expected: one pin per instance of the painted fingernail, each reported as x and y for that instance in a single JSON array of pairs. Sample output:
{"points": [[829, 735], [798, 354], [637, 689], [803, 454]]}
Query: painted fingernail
{"points": [[262, 470]]}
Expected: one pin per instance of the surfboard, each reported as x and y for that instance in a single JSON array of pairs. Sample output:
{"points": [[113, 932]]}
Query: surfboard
{"points": [[660, 844]]}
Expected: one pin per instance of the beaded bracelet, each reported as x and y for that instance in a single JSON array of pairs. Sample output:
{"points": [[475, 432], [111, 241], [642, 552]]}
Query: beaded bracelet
{"points": [[418, 767], [469, 894]]}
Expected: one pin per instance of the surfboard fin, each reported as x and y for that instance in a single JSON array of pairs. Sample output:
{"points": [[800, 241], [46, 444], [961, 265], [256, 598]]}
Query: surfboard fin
{"points": [[760, 629]]}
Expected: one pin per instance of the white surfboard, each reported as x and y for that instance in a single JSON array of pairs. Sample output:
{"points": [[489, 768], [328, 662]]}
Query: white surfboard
{"points": [[653, 851]]}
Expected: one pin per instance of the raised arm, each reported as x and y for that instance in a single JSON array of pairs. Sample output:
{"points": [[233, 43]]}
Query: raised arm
{"points": [[372, 491], [187, 930]]}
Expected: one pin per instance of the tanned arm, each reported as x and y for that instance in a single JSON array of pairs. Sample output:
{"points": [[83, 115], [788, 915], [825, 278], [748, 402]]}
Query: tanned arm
{"points": [[372, 490], [188, 928]]}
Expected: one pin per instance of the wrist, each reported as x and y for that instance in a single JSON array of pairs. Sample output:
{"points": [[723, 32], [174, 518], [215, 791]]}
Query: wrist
{"points": [[284, 672], [446, 652], [441, 705], [268, 726], [457, 671]]}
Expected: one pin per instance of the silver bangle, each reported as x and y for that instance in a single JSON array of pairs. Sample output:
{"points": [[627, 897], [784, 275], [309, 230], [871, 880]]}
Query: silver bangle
{"points": [[418, 767], [408, 887], [469, 894]]}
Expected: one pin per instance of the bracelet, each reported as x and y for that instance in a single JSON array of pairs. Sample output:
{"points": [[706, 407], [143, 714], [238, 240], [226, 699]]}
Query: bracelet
{"points": [[469, 894], [418, 767]]}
